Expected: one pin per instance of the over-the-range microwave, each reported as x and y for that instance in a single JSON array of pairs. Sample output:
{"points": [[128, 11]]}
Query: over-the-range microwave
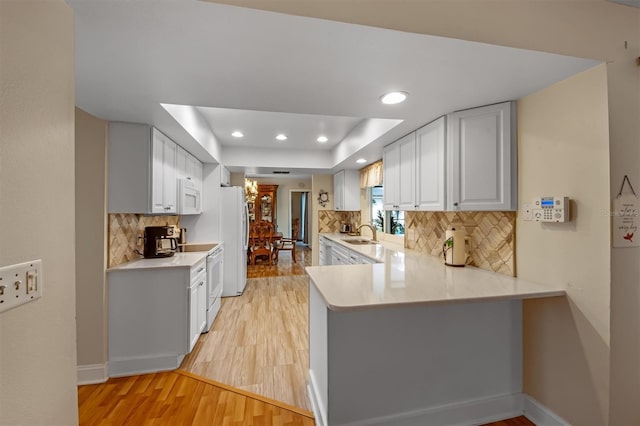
{"points": [[189, 198]]}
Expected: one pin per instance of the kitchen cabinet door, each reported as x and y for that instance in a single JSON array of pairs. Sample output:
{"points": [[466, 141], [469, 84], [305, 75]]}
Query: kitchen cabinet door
{"points": [[430, 166], [197, 304], [346, 190], [391, 173], [164, 186], [181, 163], [407, 172], [338, 190], [482, 158], [157, 174], [169, 180]]}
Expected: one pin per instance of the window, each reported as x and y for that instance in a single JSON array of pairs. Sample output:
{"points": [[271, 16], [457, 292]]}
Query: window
{"points": [[390, 222], [377, 209]]}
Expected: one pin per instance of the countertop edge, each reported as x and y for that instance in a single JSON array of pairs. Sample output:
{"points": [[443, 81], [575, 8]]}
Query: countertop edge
{"points": [[439, 302]]}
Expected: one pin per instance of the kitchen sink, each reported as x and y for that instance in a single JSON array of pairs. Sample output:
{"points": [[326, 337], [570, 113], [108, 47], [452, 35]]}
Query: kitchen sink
{"points": [[359, 241]]}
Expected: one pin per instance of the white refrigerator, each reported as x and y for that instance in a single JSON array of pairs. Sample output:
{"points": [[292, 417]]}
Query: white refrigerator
{"points": [[234, 225]]}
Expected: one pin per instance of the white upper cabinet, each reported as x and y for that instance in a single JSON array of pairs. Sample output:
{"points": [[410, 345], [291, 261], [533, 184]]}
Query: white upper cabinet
{"points": [[164, 184], [346, 190], [189, 167], [407, 172], [430, 160], [141, 170], [391, 177], [482, 158], [464, 161]]}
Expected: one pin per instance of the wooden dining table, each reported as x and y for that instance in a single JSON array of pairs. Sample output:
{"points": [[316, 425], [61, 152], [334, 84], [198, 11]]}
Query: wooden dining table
{"points": [[275, 237]]}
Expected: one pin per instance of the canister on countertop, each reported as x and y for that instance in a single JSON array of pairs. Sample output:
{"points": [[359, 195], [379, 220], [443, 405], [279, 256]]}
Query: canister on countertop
{"points": [[454, 248]]}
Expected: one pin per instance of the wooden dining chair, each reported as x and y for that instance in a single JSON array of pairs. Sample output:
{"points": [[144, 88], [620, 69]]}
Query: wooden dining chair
{"points": [[288, 244], [260, 235]]}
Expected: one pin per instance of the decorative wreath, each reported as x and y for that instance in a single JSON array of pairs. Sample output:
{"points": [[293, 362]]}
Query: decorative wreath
{"points": [[323, 198]]}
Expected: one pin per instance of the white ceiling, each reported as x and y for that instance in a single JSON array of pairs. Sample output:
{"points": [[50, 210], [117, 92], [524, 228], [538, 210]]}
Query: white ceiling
{"points": [[262, 72], [261, 127]]}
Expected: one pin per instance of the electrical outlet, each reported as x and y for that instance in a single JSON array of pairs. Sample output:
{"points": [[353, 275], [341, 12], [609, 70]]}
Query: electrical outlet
{"points": [[20, 283]]}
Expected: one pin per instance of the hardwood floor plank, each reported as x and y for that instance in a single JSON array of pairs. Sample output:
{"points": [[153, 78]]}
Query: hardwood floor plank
{"points": [[176, 398], [256, 342]]}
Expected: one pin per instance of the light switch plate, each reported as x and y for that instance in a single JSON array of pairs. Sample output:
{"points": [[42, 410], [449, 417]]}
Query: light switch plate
{"points": [[20, 283], [527, 212]]}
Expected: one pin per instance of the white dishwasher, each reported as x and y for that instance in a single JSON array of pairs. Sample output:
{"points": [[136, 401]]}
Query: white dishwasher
{"points": [[214, 283]]}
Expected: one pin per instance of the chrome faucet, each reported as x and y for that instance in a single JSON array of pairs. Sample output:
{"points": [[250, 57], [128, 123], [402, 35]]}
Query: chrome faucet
{"points": [[373, 229]]}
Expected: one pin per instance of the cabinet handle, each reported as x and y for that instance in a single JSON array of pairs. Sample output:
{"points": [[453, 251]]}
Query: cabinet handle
{"points": [[201, 283], [200, 270], [188, 178], [455, 204]]}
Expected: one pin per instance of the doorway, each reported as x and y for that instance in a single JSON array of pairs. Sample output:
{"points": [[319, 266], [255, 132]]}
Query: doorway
{"points": [[300, 208]]}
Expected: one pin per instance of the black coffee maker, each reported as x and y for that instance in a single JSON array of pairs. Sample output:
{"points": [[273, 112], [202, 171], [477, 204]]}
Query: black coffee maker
{"points": [[159, 241]]}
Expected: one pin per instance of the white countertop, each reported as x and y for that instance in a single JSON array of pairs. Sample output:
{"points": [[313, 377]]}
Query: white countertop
{"points": [[178, 260], [409, 278]]}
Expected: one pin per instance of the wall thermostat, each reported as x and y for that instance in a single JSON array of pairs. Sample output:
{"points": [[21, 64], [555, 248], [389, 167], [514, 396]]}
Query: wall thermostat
{"points": [[551, 209]]}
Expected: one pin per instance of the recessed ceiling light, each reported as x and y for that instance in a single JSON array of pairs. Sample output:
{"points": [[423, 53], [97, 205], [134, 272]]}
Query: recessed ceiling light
{"points": [[322, 139], [361, 160], [393, 98], [237, 134], [281, 137]]}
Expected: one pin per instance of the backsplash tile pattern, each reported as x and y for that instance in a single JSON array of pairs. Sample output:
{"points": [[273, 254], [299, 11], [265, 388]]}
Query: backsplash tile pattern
{"points": [[124, 229], [492, 236], [330, 220]]}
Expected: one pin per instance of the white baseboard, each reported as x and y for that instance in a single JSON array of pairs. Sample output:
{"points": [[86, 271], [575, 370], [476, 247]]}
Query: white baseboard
{"points": [[92, 373], [317, 405], [465, 413], [473, 412], [541, 415], [150, 364]]}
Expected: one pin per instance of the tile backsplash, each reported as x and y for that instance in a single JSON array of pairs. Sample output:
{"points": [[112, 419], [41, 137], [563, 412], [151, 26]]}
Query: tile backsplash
{"points": [[124, 229], [492, 236], [330, 220]]}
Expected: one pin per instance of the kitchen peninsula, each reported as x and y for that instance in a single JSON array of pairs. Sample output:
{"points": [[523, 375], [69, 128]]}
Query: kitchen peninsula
{"points": [[411, 342]]}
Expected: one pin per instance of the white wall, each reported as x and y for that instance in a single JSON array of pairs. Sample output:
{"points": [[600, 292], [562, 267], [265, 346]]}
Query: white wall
{"points": [[318, 183], [38, 340], [285, 185], [563, 150], [91, 245]]}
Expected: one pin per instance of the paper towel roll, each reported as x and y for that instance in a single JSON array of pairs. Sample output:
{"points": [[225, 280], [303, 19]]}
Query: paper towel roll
{"points": [[455, 252]]}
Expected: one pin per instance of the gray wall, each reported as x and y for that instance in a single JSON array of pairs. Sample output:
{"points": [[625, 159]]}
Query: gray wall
{"points": [[91, 243]]}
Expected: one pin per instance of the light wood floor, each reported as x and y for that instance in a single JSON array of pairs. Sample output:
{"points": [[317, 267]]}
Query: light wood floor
{"points": [[178, 398], [259, 341]]}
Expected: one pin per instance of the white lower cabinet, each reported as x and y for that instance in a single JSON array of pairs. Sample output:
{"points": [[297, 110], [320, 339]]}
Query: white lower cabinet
{"points": [[341, 255], [324, 252], [197, 303], [155, 317]]}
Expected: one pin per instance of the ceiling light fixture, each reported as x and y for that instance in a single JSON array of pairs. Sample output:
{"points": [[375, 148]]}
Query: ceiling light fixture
{"points": [[237, 134], [393, 98], [322, 139], [361, 160], [281, 137]]}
